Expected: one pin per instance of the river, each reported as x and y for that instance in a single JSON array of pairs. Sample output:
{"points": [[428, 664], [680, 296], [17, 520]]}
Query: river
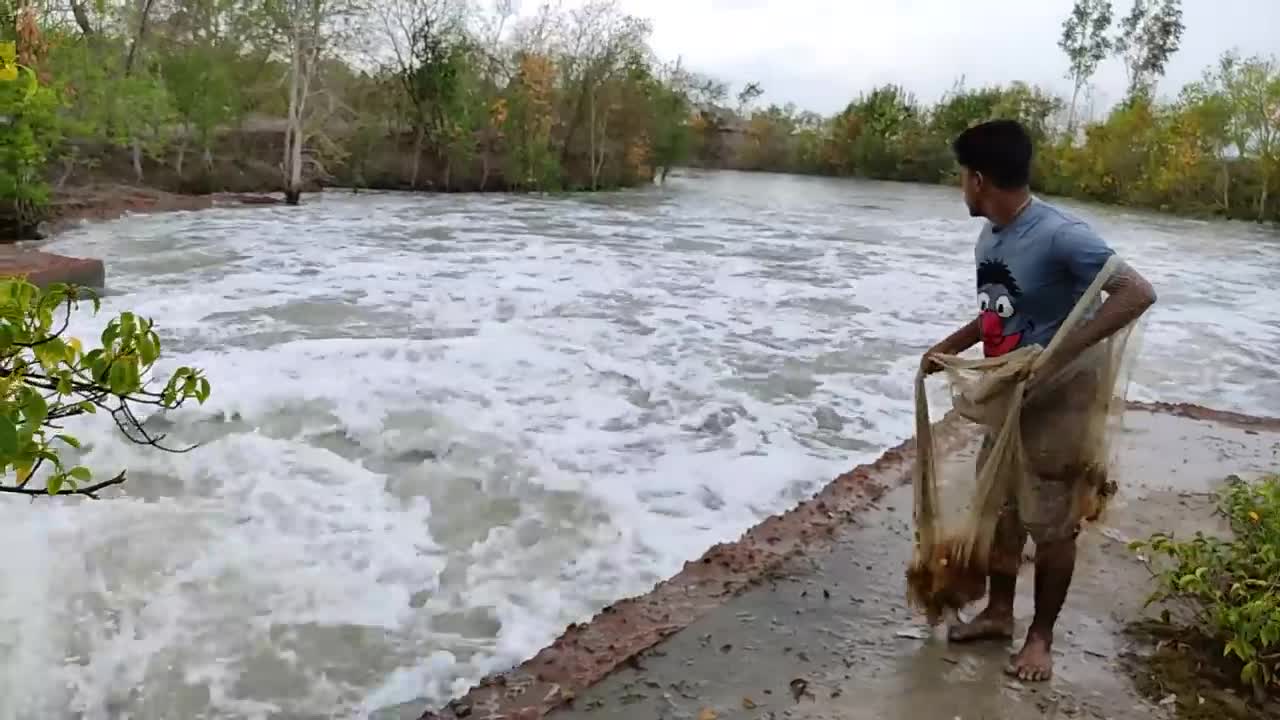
{"points": [[444, 427]]}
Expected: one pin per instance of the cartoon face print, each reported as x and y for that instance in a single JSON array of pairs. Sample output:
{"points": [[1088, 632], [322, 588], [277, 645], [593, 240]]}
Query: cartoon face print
{"points": [[998, 293]]}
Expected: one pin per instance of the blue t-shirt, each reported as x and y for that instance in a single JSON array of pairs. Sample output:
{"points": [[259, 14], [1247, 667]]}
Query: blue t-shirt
{"points": [[1031, 273]]}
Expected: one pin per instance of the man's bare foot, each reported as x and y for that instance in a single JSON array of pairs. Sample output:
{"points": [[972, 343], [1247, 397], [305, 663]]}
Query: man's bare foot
{"points": [[1034, 662], [990, 624]]}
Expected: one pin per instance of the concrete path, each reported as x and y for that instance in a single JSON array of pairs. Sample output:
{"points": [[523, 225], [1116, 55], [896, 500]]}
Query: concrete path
{"points": [[828, 634]]}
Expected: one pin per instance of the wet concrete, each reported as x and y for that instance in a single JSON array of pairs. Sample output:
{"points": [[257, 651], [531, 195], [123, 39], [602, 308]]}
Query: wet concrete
{"points": [[829, 636]]}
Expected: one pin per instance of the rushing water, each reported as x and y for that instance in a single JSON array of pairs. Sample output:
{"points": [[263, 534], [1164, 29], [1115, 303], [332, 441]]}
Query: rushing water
{"points": [[443, 427]]}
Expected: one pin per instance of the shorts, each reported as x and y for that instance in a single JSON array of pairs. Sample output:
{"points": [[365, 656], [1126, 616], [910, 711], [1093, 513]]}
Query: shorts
{"points": [[1066, 471]]}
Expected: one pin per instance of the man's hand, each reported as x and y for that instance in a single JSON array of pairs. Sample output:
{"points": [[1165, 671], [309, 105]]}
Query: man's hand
{"points": [[955, 343], [928, 365]]}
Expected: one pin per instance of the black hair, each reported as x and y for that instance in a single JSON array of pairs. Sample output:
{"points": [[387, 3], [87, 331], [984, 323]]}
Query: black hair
{"points": [[995, 272], [999, 149]]}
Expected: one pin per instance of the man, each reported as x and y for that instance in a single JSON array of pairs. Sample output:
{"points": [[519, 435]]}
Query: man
{"points": [[1034, 262]]}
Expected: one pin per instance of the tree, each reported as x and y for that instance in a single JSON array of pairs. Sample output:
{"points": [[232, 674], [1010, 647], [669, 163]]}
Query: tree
{"points": [[748, 95], [1149, 35], [1086, 43], [430, 54], [311, 30], [1251, 88], [599, 43], [47, 378], [29, 130], [671, 108]]}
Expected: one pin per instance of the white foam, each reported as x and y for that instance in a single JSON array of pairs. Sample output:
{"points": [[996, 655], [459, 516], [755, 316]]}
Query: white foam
{"points": [[442, 428]]}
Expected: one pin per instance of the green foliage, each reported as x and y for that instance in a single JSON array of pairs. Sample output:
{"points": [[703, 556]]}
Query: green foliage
{"points": [[47, 378], [29, 130], [108, 105], [203, 89], [670, 110], [1232, 585]]}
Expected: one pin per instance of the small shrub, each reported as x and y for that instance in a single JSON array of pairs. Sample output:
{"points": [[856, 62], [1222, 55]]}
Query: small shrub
{"points": [[1232, 585], [47, 378]]}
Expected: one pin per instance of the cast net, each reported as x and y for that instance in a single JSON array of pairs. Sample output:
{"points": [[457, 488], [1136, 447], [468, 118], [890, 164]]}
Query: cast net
{"points": [[1047, 435]]}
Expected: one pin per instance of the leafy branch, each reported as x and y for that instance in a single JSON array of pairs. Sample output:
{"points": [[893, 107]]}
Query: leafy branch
{"points": [[47, 378]]}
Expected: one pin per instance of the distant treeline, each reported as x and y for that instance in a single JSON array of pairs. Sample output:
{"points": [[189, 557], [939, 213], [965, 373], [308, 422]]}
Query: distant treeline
{"points": [[207, 95], [201, 95], [1212, 150]]}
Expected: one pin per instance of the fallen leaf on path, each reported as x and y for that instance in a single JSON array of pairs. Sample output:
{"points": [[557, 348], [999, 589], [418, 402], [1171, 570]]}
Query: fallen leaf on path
{"points": [[707, 714], [748, 704], [799, 688], [1116, 535]]}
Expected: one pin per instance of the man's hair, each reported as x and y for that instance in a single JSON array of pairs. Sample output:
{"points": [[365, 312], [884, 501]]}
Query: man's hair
{"points": [[999, 149]]}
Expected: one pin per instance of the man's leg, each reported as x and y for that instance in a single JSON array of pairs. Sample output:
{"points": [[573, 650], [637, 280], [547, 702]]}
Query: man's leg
{"points": [[995, 622], [1055, 563]]}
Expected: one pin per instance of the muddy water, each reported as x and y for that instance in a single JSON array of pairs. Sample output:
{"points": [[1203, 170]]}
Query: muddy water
{"points": [[445, 427]]}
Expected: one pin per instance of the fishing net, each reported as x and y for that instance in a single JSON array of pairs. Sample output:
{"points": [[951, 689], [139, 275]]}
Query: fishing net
{"points": [[1044, 452]]}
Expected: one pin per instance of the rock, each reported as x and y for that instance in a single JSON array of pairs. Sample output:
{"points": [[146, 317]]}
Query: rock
{"points": [[44, 269]]}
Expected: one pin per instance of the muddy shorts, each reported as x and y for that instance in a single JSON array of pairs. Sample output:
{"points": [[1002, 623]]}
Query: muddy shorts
{"points": [[1062, 465]]}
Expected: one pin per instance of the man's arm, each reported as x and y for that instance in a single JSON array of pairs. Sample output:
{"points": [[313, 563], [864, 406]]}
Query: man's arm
{"points": [[1084, 254], [954, 344], [1129, 295]]}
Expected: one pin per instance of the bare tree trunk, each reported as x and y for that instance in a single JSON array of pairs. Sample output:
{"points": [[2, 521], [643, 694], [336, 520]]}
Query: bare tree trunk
{"points": [[137, 39], [1226, 189], [484, 168], [1262, 199], [128, 70], [68, 167], [591, 150], [418, 136], [137, 160], [1071, 114], [599, 149], [291, 161], [82, 17], [182, 154]]}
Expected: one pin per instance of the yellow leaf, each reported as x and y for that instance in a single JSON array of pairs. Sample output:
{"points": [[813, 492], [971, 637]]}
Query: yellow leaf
{"points": [[8, 61], [707, 714], [748, 704], [1254, 517]]}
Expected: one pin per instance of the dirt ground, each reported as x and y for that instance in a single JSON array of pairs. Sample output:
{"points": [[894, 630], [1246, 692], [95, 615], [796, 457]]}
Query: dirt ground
{"points": [[827, 634]]}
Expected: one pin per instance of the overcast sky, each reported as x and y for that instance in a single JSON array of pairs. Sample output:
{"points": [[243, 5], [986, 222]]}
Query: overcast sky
{"points": [[819, 54]]}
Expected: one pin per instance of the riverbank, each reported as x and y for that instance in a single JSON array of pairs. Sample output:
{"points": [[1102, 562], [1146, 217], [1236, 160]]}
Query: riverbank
{"points": [[805, 613]]}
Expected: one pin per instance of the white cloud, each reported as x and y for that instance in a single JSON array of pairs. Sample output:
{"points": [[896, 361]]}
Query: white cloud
{"points": [[821, 53]]}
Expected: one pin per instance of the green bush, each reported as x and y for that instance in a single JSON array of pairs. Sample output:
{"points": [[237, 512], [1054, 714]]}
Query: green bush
{"points": [[47, 378], [28, 132], [1232, 585]]}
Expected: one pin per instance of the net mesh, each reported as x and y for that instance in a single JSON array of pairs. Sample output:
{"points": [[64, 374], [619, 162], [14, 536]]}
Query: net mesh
{"points": [[1044, 451]]}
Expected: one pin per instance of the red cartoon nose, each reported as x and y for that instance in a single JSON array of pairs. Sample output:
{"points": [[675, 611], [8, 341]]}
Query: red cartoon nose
{"points": [[992, 325]]}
